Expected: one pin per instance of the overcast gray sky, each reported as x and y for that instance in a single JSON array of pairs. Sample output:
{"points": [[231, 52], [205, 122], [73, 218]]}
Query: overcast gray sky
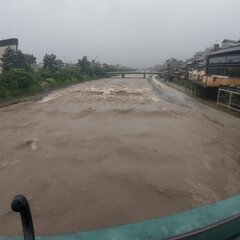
{"points": [[129, 32]]}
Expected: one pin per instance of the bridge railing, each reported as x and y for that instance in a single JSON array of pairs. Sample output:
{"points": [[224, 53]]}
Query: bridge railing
{"points": [[219, 221]]}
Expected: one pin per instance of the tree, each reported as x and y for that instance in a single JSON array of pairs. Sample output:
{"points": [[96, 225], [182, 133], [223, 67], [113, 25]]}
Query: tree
{"points": [[51, 63], [13, 59], [85, 65], [98, 70], [17, 78]]}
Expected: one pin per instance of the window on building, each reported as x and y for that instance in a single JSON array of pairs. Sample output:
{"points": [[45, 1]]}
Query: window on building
{"points": [[233, 59], [234, 72]]}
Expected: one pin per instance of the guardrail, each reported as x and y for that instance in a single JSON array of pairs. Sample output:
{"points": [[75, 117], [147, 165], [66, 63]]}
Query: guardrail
{"points": [[229, 99], [219, 221]]}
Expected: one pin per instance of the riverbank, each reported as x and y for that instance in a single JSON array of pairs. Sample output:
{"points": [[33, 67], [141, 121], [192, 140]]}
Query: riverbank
{"points": [[4, 102], [208, 102], [20, 85]]}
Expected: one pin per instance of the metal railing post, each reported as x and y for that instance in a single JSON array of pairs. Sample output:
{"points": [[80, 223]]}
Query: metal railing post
{"points": [[219, 90], [229, 103], [20, 204]]}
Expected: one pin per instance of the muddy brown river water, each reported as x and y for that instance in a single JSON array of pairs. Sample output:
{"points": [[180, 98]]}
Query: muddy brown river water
{"points": [[114, 151]]}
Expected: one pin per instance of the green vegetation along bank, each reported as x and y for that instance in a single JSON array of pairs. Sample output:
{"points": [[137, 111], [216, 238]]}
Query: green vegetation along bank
{"points": [[20, 79]]}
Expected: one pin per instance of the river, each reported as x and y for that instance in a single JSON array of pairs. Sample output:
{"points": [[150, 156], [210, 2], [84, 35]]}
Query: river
{"points": [[114, 151]]}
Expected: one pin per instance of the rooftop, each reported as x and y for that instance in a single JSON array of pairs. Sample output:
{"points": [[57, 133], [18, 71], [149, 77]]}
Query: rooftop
{"points": [[231, 41], [225, 50], [8, 42]]}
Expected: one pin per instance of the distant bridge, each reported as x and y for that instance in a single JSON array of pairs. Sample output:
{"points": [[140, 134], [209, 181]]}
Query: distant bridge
{"points": [[123, 73]]}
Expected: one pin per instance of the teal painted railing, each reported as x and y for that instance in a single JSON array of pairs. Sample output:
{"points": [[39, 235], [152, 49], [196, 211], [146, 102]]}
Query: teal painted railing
{"points": [[217, 221]]}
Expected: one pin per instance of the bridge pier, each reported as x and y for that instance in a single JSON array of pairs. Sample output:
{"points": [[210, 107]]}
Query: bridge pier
{"points": [[144, 75], [123, 75]]}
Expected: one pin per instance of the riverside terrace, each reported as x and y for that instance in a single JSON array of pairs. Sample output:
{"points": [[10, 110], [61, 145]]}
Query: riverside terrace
{"points": [[123, 73]]}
